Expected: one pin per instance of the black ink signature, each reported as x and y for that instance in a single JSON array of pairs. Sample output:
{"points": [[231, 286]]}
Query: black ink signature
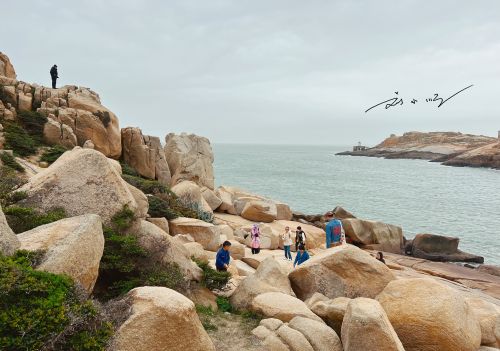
{"points": [[399, 101]]}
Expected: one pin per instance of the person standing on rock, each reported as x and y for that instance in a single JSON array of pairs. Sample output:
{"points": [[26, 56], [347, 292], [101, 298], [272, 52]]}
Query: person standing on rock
{"points": [[302, 256], [223, 257], [255, 235], [334, 231], [287, 242], [300, 238], [54, 75]]}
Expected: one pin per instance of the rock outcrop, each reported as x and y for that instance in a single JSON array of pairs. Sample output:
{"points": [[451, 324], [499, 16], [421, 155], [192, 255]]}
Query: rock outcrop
{"points": [[190, 193], [341, 271], [374, 235], [207, 234], [366, 327], [161, 319], [82, 181], [6, 68], [281, 306], [9, 242], [72, 246], [484, 156], [190, 157], [332, 311], [440, 248], [270, 276], [428, 315]]}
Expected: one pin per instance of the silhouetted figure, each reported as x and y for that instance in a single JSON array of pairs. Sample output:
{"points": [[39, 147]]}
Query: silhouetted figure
{"points": [[54, 76]]}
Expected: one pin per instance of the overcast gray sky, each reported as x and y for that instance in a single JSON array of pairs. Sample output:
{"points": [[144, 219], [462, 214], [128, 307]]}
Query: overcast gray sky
{"points": [[269, 71]]}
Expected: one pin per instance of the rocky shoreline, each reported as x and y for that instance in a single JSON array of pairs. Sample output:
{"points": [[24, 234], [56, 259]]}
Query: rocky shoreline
{"points": [[447, 148], [134, 225]]}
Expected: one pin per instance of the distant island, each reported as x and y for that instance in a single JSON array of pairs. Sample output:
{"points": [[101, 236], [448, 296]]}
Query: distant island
{"points": [[449, 148]]}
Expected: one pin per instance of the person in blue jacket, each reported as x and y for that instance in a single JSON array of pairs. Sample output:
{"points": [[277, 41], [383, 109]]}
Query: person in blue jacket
{"points": [[223, 257], [301, 257]]}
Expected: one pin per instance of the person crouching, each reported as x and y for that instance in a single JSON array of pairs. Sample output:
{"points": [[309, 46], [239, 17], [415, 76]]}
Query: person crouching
{"points": [[223, 257]]}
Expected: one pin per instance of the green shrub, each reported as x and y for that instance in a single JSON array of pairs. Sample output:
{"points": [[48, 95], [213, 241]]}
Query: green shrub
{"points": [[212, 279], [161, 208], [128, 170], [21, 219], [9, 183], [126, 265], [147, 186], [52, 154], [18, 140], [9, 161], [33, 122], [40, 310], [223, 304]]}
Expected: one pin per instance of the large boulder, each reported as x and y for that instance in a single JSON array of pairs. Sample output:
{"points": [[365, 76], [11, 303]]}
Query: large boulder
{"points": [[211, 198], [283, 211], [9, 242], [227, 200], [320, 336], [162, 248], [57, 133], [366, 327], [440, 248], [259, 211], [72, 246], [190, 193], [161, 319], [202, 232], [281, 306], [145, 154], [81, 181], [374, 235], [6, 68], [341, 271], [332, 311], [488, 315], [190, 157], [270, 276], [429, 315]]}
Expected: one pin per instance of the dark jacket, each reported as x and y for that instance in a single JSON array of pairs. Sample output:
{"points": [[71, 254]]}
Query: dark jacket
{"points": [[222, 258], [53, 72], [301, 258]]}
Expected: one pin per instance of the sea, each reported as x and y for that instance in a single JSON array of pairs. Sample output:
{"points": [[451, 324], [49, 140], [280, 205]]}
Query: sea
{"points": [[419, 196]]}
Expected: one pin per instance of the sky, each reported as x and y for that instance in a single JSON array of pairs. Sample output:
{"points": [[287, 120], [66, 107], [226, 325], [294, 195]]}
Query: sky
{"points": [[270, 71]]}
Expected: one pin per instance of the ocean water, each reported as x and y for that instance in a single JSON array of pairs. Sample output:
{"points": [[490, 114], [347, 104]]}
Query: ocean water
{"points": [[419, 196]]}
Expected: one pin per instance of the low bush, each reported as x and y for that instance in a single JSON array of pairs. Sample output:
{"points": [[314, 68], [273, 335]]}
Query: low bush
{"points": [[40, 310], [22, 219], [9, 161], [19, 141], [147, 186], [33, 122], [52, 154], [9, 183], [224, 305], [212, 279], [126, 265], [128, 170]]}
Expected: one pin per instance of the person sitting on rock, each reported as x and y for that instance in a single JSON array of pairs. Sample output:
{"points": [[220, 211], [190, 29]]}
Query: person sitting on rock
{"points": [[54, 75], [302, 256], [255, 235], [334, 231], [380, 257], [223, 257], [300, 238]]}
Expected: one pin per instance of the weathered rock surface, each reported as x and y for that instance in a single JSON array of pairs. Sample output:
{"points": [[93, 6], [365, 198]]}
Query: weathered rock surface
{"points": [[81, 181], [202, 232], [57, 133], [196, 250], [341, 271], [281, 306], [190, 193], [162, 249], [484, 156], [211, 198], [270, 276], [9, 242], [366, 327], [488, 315], [440, 248], [318, 334], [73, 246], [332, 311], [161, 319], [6, 68], [428, 315], [145, 154], [375, 235], [190, 157], [259, 211], [160, 222]]}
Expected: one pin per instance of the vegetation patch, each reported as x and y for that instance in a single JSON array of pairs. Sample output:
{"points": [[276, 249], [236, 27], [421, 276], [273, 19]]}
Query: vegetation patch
{"points": [[52, 154], [22, 219], [212, 279], [10, 161], [9, 183], [18, 140], [126, 265], [40, 310], [33, 122]]}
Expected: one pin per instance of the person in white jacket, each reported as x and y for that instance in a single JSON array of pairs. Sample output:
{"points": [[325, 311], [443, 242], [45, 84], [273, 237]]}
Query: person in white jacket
{"points": [[287, 242]]}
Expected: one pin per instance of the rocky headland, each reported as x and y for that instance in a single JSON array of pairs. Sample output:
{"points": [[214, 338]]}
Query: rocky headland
{"points": [[448, 148], [108, 240]]}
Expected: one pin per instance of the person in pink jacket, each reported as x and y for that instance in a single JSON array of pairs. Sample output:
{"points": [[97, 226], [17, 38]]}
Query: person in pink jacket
{"points": [[255, 235]]}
